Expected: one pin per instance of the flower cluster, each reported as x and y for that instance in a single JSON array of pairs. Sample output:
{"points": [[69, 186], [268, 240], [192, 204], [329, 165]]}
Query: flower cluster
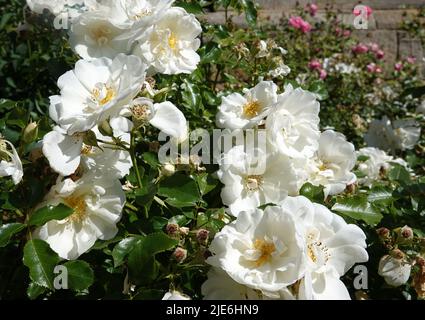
{"points": [[295, 151], [102, 101], [253, 258], [253, 251], [393, 135]]}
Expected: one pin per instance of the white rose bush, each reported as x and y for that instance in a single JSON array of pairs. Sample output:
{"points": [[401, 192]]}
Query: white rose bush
{"points": [[155, 155]]}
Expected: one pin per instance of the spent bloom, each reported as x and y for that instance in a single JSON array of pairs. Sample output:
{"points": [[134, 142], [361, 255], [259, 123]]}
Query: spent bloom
{"points": [[10, 164]]}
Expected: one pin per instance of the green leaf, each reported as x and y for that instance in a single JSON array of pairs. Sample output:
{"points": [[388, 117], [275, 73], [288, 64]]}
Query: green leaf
{"points": [[191, 95], [206, 183], [380, 195], [7, 231], [250, 12], [358, 208], [416, 92], [122, 249], [399, 173], [34, 291], [314, 193], [180, 190], [362, 158], [319, 88], [80, 275], [45, 214], [143, 268], [41, 261], [90, 139], [151, 159]]}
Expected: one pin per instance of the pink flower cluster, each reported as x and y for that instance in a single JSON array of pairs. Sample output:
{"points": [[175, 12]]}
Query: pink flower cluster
{"points": [[358, 12], [340, 32], [373, 68], [372, 47], [399, 65], [300, 23], [315, 64]]}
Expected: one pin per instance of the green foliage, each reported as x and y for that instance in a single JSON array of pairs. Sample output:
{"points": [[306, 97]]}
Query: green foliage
{"points": [[45, 214], [32, 57], [41, 261]]}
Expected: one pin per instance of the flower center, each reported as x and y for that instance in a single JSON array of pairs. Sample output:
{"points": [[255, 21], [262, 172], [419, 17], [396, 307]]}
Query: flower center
{"points": [[101, 35], [172, 41], [317, 251], [86, 150], [251, 109], [103, 94], [79, 205], [253, 182], [266, 250], [141, 112]]}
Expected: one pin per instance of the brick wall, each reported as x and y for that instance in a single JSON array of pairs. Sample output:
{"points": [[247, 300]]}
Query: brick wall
{"points": [[383, 27]]}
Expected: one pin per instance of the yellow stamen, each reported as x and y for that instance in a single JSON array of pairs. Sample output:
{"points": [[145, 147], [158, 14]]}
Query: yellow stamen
{"points": [[252, 109], [79, 205], [266, 249], [103, 97], [253, 182], [172, 41]]}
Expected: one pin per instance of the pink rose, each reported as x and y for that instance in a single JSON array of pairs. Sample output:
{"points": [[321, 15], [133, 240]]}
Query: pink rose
{"points": [[374, 47], [314, 64], [411, 60], [312, 8], [360, 48], [295, 22], [380, 54], [346, 33], [373, 68], [369, 11], [299, 23], [323, 74], [398, 66], [305, 26]]}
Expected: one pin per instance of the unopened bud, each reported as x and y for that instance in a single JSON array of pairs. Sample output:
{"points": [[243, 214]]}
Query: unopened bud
{"points": [[420, 261], [406, 232], [180, 254], [168, 169], [172, 229], [106, 129], [30, 133], [184, 231], [383, 233], [202, 236], [397, 254]]}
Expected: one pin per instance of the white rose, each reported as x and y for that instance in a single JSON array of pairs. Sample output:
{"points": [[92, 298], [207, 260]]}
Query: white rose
{"points": [[170, 45], [246, 111], [254, 179], [396, 272], [220, 286], [292, 129], [97, 208], [255, 252], [332, 247], [66, 153], [333, 163], [96, 90]]}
